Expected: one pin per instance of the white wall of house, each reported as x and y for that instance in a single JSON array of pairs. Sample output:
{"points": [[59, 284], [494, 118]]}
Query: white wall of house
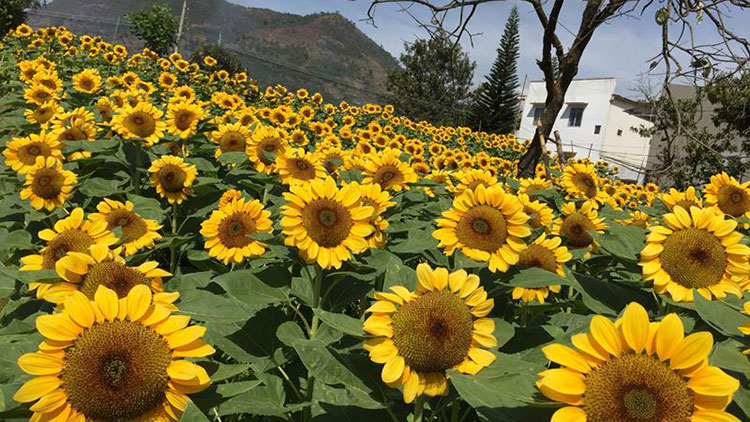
{"points": [[589, 123], [623, 146]]}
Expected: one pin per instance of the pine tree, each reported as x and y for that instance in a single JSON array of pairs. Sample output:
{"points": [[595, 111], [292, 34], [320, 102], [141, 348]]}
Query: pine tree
{"points": [[496, 100]]}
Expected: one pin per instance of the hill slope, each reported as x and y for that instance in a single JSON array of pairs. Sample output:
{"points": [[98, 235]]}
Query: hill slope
{"points": [[321, 52]]}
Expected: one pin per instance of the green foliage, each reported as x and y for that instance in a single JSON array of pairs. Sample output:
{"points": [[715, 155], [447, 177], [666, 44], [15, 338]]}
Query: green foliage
{"points": [[157, 28], [495, 107], [434, 83], [13, 13]]}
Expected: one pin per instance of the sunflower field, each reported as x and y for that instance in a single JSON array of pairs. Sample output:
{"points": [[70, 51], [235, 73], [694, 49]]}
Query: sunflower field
{"points": [[178, 243]]}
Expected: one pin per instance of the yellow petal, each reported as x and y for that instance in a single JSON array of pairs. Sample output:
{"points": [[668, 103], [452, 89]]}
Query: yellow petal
{"points": [[40, 364], [712, 381], [564, 381], [606, 335], [669, 335], [569, 414], [393, 370], [181, 370], [58, 327], [705, 415], [79, 307], [565, 356], [635, 324], [691, 350], [107, 302], [36, 388], [138, 301], [185, 336]]}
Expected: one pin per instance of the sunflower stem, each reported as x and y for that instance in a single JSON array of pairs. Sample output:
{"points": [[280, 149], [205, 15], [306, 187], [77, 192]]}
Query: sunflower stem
{"points": [[419, 409], [136, 171], [172, 247], [455, 411], [317, 283]]}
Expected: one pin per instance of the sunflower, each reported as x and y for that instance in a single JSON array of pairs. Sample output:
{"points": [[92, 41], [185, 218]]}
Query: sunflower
{"points": [[387, 169], [172, 177], [581, 181], [528, 186], [228, 229], [470, 179], [637, 218], [325, 223], [71, 234], [696, 250], [487, 225], [21, 153], [576, 223], [540, 215], [39, 94], [137, 232], [297, 167], [142, 121], [229, 196], [88, 81], [42, 115], [634, 370], [374, 196], [685, 199], [183, 118], [266, 143], [231, 137], [728, 195], [113, 360], [420, 335], [745, 327], [47, 184], [100, 266], [547, 254]]}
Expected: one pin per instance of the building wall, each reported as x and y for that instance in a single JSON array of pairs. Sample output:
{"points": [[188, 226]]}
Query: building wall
{"points": [[595, 94], [623, 146]]}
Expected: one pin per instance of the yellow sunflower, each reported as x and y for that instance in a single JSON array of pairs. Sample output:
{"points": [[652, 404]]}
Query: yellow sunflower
{"points": [[88, 81], [685, 199], [581, 181], [21, 153], [183, 118], [728, 195], [71, 234], [266, 143], [637, 218], [172, 177], [386, 169], [229, 196], [634, 370], [47, 184], [137, 232], [39, 95], [540, 215], [696, 250], [142, 121], [576, 223], [470, 179], [100, 266], [42, 115], [113, 360], [297, 167], [374, 196], [547, 254], [487, 225], [418, 336], [231, 137], [325, 223], [228, 229]]}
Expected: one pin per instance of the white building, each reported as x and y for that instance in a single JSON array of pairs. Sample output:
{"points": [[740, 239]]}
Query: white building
{"points": [[594, 122]]}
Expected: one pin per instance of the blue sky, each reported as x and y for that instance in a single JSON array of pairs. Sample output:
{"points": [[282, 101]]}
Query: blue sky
{"points": [[621, 48]]}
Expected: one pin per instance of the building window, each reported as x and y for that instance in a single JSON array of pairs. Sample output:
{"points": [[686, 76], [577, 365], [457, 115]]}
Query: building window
{"points": [[619, 132], [538, 111], [597, 129], [576, 116]]}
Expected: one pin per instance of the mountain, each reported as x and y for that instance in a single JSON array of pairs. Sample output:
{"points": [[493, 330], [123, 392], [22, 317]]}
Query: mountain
{"points": [[321, 52]]}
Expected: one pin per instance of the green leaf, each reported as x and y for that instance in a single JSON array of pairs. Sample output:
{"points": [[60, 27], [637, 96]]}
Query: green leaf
{"points": [[100, 187], [234, 157], [38, 276], [341, 322], [535, 277], [251, 290], [727, 355], [625, 242], [193, 414], [720, 315]]}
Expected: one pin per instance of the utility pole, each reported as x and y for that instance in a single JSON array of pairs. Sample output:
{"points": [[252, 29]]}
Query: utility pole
{"points": [[114, 36], [182, 22], [219, 38]]}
